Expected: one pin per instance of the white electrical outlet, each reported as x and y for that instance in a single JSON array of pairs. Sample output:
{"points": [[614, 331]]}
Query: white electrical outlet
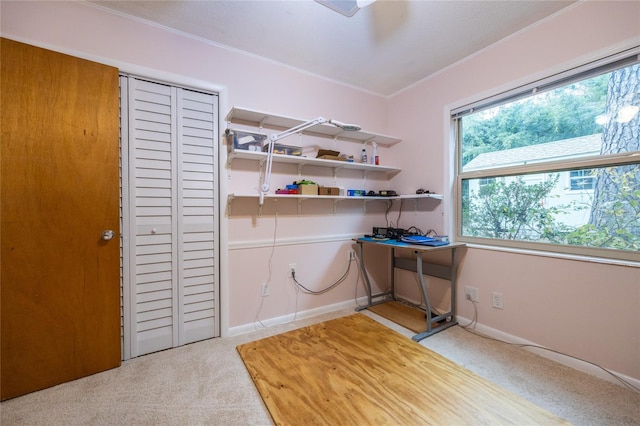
{"points": [[498, 301], [472, 293], [292, 269], [265, 289]]}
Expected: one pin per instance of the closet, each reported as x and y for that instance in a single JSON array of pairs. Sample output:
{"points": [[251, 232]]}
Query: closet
{"points": [[169, 138]]}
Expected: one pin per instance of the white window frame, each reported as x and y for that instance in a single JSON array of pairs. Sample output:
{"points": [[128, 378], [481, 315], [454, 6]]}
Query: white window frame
{"points": [[624, 58]]}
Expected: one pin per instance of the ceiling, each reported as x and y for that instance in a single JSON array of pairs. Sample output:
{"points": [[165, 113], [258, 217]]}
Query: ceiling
{"points": [[384, 48]]}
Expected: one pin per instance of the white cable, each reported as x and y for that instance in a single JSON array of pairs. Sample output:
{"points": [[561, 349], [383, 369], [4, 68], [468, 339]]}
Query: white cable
{"points": [[270, 263], [528, 345]]}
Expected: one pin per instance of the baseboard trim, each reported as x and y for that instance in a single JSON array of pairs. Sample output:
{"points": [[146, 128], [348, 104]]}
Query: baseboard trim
{"points": [[576, 364], [245, 328]]}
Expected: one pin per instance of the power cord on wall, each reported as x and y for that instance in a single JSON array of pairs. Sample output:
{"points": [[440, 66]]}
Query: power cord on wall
{"points": [[299, 286], [386, 215], [470, 328], [324, 290]]}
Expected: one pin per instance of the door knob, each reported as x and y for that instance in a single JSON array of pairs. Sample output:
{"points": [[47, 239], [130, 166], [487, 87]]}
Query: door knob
{"points": [[108, 235]]}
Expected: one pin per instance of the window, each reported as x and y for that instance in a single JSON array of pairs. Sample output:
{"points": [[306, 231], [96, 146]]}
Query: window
{"points": [[555, 165], [486, 181], [581, 180]]}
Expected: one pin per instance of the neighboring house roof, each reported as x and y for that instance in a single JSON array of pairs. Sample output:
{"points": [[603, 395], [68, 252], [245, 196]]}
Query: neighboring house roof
{"points": [[566, 148]]}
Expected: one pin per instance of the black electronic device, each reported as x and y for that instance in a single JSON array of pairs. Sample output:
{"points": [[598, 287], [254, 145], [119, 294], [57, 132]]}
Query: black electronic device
{"points": [[379, 232], [395, 233]]}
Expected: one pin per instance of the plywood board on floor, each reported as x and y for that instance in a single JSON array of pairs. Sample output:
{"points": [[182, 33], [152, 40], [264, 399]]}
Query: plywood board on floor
{"points": [[354, 370], [402, 314]]}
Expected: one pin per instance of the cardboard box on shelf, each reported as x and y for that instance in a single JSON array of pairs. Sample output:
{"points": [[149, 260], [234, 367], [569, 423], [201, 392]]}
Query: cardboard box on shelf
{"points": [[328, 190], [308, 189], [327, 154]]}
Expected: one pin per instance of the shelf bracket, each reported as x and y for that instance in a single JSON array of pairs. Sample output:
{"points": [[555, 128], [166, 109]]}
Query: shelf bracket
{"points": [[300, 167], [300, 206], [229, 161], [229, 203]]}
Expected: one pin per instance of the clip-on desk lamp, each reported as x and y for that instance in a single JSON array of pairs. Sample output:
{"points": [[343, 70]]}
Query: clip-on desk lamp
{"points": [[296, 129]]}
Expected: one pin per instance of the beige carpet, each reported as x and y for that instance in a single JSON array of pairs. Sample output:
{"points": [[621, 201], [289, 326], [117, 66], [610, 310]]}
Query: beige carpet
{"points": [[206, 383]]}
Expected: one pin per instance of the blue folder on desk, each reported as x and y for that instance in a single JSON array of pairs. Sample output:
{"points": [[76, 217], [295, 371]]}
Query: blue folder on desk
{"points": [[423, 241]]}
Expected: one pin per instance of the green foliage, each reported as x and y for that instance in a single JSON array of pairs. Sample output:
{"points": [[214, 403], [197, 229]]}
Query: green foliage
{"points": [[515, 210], [563, 113], [512, 211], [618, 219]]}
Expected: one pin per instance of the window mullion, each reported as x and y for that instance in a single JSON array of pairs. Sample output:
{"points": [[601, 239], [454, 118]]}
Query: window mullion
{"points": [[556, 166]]}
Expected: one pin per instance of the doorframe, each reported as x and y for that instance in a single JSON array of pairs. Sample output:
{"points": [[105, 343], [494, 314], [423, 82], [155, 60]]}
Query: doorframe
{"points": [[221, 274]]}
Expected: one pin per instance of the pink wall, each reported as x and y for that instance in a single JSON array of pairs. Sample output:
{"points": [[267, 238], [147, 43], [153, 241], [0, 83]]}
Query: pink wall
{"points": [[589, 310]]}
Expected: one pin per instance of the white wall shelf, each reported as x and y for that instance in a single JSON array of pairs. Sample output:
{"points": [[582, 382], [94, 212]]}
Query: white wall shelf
{"points": [[259, 120], [262, 119], [309, 161], [336, 198]]}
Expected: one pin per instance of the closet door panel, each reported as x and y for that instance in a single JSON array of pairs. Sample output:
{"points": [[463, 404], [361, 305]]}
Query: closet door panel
{"points": [[152, 143], [197, 112], [172, 146]]}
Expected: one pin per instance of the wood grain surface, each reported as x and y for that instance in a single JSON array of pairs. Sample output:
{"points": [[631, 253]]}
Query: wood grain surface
{"points": [[406, 316], [60, 290], [354, 370]]}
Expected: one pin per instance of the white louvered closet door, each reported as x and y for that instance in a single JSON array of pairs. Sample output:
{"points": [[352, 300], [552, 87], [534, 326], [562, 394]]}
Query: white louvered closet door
{"points": [[172, 267]]}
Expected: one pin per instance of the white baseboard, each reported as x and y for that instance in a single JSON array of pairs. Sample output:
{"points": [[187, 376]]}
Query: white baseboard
{"points": [[583, 366], [245, 328]]}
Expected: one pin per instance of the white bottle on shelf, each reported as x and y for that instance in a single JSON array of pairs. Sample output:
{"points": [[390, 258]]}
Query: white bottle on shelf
{"points": [[374, 153], [363, 156]]}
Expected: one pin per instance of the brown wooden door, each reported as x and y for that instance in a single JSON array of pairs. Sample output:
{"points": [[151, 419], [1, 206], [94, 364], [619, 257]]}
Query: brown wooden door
{"points": [[59, 157]]}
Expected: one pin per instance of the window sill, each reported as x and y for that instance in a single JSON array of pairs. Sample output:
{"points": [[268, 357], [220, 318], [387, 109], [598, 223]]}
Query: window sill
{"points": [[565, 256]]}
